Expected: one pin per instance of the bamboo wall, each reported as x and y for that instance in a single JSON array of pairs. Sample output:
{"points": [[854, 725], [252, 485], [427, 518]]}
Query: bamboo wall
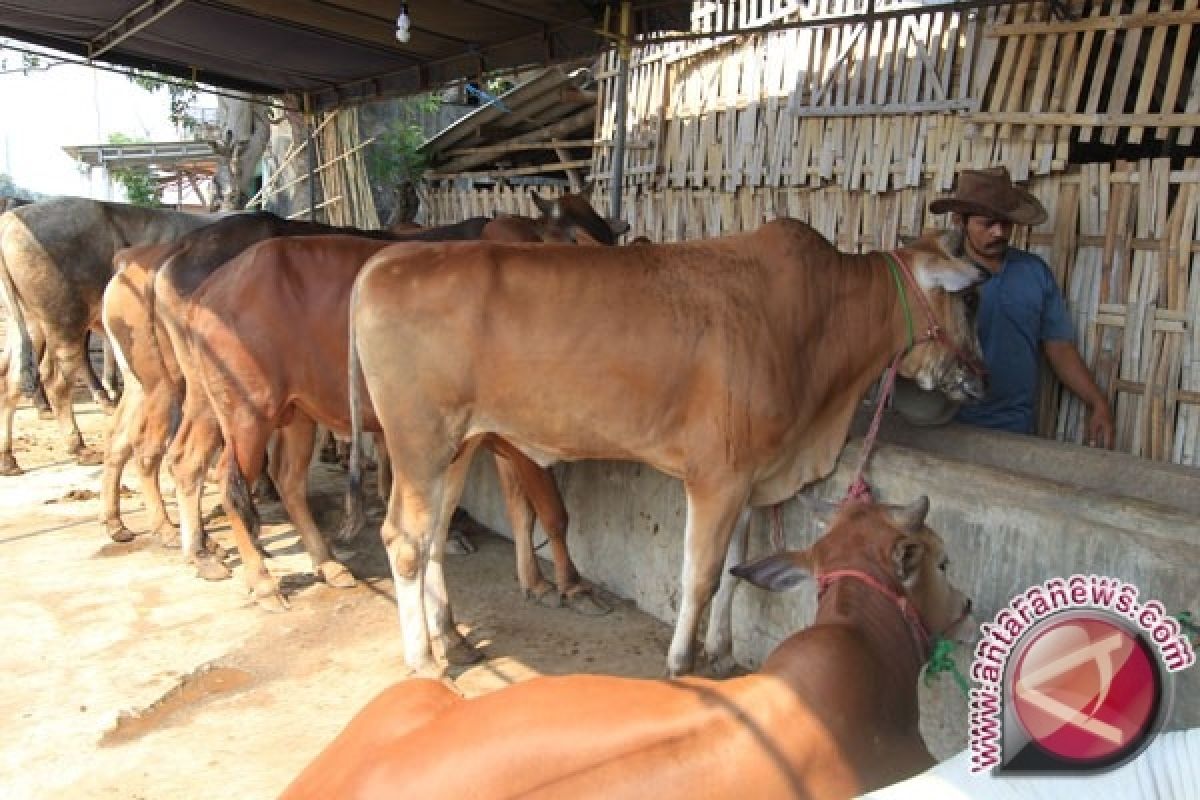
{"points": [[856, 126]]}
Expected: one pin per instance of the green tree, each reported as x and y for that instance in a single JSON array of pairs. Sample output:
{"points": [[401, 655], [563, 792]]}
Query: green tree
{"points": [[140, 186], [396, 162], [181, 93]]}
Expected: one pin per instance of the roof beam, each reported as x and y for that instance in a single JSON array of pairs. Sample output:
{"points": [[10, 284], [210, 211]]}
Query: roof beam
{"points": [[147, 13]]}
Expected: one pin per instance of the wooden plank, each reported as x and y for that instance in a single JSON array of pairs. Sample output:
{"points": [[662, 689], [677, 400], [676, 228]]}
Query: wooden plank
{"points": [[1123, 22], [1175, 71], [1101, 68], [1016, 93], [1045, 68], [1149, 70], [1123, 76], [998, 87]]}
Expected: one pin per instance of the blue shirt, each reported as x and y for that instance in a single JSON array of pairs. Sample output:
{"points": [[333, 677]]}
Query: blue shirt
{"points": [[1019, 308]]}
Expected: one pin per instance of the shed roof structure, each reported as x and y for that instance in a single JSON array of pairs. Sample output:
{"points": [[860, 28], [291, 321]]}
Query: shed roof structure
{"points": [[333, 52]]}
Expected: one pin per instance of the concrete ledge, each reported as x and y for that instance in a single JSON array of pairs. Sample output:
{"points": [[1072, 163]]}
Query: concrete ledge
{"points": [[1007, 527]]}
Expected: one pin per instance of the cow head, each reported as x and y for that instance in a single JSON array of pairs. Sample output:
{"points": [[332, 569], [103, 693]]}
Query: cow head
{"points": [[889, 544], [571, 218], [946, 354]]}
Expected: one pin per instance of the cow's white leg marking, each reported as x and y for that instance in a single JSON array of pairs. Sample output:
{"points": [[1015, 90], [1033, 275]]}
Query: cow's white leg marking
{"points": [[718, 641], [711, 514]]}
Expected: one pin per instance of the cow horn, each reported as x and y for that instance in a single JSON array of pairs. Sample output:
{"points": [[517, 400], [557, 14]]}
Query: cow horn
{"points": [[911, 518]]}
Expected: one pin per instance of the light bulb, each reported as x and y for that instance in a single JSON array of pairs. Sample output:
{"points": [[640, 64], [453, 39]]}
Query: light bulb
{"points": [[403, 24]]}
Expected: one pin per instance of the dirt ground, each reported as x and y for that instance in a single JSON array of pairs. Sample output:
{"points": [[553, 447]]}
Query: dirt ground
{"points": [[124, 676]]}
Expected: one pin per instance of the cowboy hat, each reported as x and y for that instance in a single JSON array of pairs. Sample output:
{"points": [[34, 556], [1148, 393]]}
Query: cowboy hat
{"points": [[991, 193]]}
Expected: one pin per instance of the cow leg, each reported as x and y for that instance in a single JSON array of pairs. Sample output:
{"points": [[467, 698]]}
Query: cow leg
{"points": [[188, 457], [10, 398], [68, 362], [95, 386], [239, 466], [712, 511], [414, 533], [447, 642], [110, 379], [45, 368], [118, 449], [520, 517], [718, 640], [290, 461], [150, 445]]}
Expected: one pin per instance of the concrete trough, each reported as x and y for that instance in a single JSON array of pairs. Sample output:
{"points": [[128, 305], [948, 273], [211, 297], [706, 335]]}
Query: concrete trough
{"points": [[1015, 511]]}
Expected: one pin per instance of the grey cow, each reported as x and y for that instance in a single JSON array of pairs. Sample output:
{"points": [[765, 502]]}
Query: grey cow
{"points": [[55, 260]]}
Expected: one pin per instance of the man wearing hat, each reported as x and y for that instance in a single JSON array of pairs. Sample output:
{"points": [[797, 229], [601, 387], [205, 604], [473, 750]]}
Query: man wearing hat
{"points": [[1021, 310]]}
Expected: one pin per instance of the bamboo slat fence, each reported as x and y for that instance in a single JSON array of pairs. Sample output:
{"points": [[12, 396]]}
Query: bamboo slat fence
{"points": [[853, 115], [1121, 242]]}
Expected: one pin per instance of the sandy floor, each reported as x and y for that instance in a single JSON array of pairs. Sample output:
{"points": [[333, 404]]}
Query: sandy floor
{"points": [[124, 676]]}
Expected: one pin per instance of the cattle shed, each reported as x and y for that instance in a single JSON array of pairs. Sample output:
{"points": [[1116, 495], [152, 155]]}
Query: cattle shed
{"points": [[851, 115]]}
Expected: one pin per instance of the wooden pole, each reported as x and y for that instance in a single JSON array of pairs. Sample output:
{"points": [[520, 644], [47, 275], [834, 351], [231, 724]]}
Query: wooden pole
{"points": [[622, 98]]}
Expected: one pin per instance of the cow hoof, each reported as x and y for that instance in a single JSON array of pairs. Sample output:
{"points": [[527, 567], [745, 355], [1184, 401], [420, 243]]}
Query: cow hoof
{"points": [[119, 533], [87, 457], [271, 601], [75, 445], [214, 548], [721, 667], [336, 574], [545, 595], [165, 532], [167, 536], [9, 465], [583, 600], [431, 671], [45, 413], [210, 569], [459, 545], [462, 653]]}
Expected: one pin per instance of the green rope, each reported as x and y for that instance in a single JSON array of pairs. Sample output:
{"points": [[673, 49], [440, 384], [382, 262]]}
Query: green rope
{"points": [[940, 661], [891, 262], [1185, 620]]}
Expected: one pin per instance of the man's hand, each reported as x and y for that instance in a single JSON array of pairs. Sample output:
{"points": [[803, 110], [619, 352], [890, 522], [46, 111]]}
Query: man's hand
{"points": [[1069, 367], [1101, 432]]}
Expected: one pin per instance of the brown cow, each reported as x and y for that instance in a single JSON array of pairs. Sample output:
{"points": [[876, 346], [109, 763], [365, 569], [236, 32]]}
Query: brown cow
{"points": [[831, 713], [242, 323], [141, 423], [566, 219], [733, 364]]}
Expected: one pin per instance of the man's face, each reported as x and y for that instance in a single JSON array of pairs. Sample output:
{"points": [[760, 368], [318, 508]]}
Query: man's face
{"points": [[987, 238]]}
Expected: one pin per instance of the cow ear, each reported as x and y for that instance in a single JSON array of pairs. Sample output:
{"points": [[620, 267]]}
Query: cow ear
{"points": [[619, 226], [780, 572], [907, 553], [950, 276], [549, 208]]}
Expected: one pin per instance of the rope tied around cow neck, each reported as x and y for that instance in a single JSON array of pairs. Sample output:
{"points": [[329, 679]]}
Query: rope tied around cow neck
{"points": [[941, 661], [859, 491]]}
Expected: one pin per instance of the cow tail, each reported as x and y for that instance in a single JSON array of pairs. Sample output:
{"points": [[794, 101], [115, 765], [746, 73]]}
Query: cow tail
{"points": [[354, 519], [23, 354]]}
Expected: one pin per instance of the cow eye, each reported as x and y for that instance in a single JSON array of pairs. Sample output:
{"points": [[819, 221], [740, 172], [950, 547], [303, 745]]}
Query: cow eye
{"points": [[971, 299], [944, 565]]}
